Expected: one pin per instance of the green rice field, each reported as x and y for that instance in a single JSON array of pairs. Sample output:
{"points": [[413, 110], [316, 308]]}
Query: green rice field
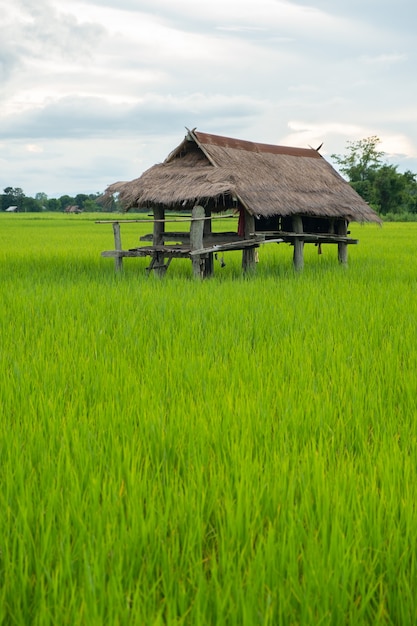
{"points": [[241, 450]]}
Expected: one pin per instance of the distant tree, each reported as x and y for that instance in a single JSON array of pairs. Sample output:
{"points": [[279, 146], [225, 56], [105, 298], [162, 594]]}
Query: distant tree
{"points": [[42, 199], [90, 205], [411, 191], [53, 204], [93, 202], [13, 196], [360, 163], [79, 200], [66, 201], [379, 184], [31, 205], [394, 192]]}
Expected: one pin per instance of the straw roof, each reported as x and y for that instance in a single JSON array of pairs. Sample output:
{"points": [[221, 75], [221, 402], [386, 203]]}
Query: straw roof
{"points": [[267, 180]]}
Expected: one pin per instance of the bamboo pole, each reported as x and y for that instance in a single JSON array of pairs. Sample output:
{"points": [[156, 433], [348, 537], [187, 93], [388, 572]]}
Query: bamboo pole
{"points": [[181, 219]]}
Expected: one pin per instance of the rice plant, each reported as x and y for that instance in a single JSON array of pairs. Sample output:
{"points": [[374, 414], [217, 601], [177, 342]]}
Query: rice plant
{"points": [[234, 451]]}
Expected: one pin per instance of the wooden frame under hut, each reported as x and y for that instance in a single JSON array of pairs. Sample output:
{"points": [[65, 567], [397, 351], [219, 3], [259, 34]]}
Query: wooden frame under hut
{"points": [[282, 194]]}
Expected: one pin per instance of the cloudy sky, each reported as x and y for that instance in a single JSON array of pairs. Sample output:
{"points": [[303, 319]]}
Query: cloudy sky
{"points": [[96, 91]]}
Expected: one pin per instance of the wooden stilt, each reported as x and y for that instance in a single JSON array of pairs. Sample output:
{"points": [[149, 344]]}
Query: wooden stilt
{"points": [[342, 249], [196, 240], [158, 239], [248, 254], [209, 261], [118, 260], [298, 256]]}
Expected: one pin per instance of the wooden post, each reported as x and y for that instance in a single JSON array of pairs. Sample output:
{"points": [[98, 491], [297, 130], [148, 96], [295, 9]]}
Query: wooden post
{"points": [[118, 260], [158, 226], [209, 262], [158, 239], [196, 239], [248, 254], [298, 256], [342, 248]]}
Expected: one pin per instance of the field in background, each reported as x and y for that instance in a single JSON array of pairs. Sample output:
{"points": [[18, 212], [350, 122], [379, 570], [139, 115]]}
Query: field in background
{"points": [[234, 451]]}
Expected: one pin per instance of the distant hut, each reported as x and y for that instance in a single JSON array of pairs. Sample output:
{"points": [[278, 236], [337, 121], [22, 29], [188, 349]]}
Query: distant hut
{"points": [[281, 194], [73, 208]]}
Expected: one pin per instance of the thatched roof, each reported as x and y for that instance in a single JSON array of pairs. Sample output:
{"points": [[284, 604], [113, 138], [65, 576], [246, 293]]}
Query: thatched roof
{"points": [[266, 179]]}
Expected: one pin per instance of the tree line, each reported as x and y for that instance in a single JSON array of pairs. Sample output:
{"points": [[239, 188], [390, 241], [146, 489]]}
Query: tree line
{"points": [[388, 191], [15, 197]]}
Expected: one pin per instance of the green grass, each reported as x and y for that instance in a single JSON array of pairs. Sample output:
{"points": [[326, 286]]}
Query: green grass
{"points": [[234, 451]]}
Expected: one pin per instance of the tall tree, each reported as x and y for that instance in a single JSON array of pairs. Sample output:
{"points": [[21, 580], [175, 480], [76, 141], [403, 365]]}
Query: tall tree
{"points": [[360, 163], [379, 184]]}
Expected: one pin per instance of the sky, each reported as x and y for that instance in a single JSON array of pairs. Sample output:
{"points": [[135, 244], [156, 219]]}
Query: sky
{"points": [[97, 91]]}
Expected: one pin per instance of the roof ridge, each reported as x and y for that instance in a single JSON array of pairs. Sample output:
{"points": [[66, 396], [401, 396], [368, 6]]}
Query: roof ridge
{"points": [[251, 146]]}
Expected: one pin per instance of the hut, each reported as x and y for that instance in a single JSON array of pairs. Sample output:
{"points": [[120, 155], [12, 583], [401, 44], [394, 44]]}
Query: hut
{"points": [[282, 194]]}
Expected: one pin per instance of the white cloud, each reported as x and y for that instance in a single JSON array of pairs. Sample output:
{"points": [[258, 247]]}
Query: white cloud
{"points": [[386, 58], [398, 146], [304, 134], [95, 86], [33, 147]]}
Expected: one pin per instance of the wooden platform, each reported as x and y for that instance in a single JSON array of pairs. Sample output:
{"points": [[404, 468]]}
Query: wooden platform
{"points": [[290, 237], [200, 244]]}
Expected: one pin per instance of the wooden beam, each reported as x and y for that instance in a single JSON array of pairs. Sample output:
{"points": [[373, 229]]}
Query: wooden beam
{"points": [[179, 219], [167, 252], [185, 236], [290, 237], [243, 244]]}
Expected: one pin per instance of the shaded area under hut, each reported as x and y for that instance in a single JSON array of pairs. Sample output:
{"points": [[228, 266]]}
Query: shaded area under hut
{"points": [[281, 194]]}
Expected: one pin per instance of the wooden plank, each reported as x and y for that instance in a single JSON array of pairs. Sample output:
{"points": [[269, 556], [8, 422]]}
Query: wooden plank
{"points": [[120, 253], [185, 237], [308, 237], [182, 251], [278, 240], [167, 236], [235, 245], [149, 251]]}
